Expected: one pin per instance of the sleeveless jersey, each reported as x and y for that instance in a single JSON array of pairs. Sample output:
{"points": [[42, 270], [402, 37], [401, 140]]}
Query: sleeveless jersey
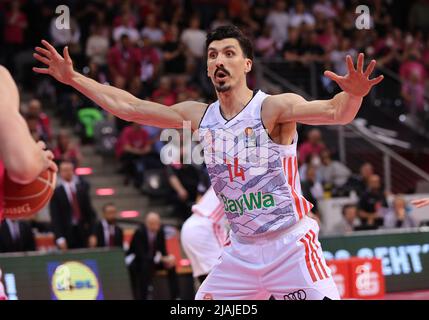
{"points": [[1, 190], [256, 179]]}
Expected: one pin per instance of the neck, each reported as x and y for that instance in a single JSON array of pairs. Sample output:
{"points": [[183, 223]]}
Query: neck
{"points": [[233, 101]]}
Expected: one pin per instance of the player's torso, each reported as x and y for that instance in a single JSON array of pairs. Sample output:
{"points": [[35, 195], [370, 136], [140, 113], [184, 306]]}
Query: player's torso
{"points": [[2, 173], [256, 179]]}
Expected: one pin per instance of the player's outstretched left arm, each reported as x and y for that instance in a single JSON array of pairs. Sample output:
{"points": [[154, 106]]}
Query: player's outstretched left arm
{"points": [[341, 109], [420, 203]]}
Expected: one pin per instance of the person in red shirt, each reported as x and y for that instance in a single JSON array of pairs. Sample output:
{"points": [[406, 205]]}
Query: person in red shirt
{"points": [[65, 150], [124, 63], [133, 144], [44, 123], [314, 145]]}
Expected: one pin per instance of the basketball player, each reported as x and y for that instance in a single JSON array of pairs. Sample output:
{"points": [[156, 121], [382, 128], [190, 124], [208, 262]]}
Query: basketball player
{"points": [[203, 235], [274, 250], [420, 203], [20, 155]]}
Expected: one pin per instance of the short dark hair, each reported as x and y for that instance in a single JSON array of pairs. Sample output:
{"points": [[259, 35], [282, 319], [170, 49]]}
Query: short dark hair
{"points": [[231, 31], [348, 206], [109, 204]]}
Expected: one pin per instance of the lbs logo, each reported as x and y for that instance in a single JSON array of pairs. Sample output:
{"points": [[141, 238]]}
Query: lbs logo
{"points": [[74, 280]]}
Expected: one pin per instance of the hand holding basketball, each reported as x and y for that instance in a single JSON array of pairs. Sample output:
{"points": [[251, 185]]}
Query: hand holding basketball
{"points": [[356, 82], [22, 201]]}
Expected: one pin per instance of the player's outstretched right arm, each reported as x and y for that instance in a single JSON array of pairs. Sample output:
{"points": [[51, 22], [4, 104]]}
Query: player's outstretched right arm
{"points": [[118, 102]]}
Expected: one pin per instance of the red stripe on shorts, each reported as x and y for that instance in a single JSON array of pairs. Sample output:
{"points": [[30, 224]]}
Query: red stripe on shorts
{"points": [[307, 259], [313, 240]]}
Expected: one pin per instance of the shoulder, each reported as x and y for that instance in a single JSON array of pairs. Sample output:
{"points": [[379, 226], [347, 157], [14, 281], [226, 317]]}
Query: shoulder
{"points": [[283, 100]]}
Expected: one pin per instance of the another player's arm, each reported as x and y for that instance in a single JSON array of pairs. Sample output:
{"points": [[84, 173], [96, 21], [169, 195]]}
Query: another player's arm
{"points": [[116, 101], [420, 203], [23, 158], [341, 109]]}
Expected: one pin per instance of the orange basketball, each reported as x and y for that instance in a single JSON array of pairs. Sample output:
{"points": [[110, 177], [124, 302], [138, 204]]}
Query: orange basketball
{"points": [[25, 200]]}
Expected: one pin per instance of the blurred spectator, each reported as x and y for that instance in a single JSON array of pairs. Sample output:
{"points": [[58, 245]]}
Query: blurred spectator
{"points": [[300, 16], [107, 233], [16, 236], [350, 220], [313, 146], [326, 8], [312, 190], [419, 15], [398, 216], [125, 24], [334, 174], [184, 179], [65, 150], [33, 126], [44, 123], [106, 135], [148, 253], [278, 21], [152, 31], [15, 25], [164, 93], [133, 144], [338, 56], [328, 37], [221, 20], [358, 183], [265, 45], [124, 64], [194, 41], [97, 46], [414, 76], [150, 65], [371, 204], [174, 58], [292, 48], [72, 214]]}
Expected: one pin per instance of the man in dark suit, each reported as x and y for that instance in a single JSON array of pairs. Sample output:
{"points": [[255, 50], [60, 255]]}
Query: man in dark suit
{"points": [[72, 214], [106, 233], [148, 253], [16, 236]]}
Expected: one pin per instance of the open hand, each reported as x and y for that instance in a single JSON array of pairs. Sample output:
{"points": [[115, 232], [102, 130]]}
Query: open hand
{"points": [[356, 82], [61, 68]]}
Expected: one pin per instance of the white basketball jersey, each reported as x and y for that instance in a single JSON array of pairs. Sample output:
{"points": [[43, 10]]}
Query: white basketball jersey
{"points": [[256, 179]]}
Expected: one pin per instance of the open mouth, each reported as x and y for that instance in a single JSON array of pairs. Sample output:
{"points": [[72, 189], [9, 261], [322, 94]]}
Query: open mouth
{"points": [[221, 75]]}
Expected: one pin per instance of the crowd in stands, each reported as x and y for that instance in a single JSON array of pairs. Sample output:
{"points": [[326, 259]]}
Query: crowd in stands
{"points": [[156, 50]]}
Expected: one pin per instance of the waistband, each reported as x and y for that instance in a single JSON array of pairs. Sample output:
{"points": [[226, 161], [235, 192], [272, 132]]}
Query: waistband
{"points": [[271, 236]]}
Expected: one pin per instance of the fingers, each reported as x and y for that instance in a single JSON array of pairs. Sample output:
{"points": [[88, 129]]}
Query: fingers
{"points": [[333, 76], [370, 68], [53, 166], [54, 53], [49, 154], [375, 81], [41, 70], [66, 54], [360, 63], [350, 65], [43, 51], [41, 144], [41, 59]]}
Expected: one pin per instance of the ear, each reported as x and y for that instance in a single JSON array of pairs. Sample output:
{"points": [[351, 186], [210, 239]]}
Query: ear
{"points": [[248, 65]]}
